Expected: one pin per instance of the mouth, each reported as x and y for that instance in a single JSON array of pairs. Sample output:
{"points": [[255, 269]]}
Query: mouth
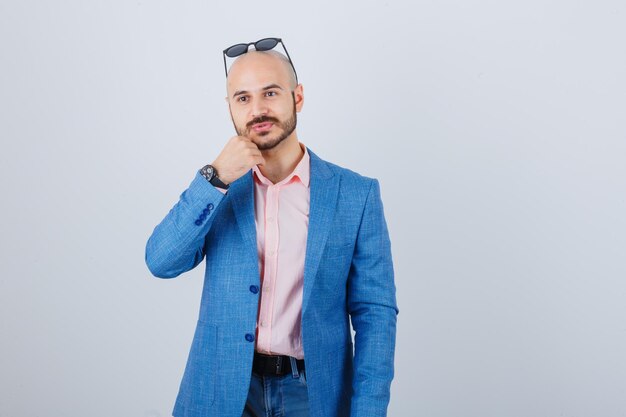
{"points": [[262, 127]]}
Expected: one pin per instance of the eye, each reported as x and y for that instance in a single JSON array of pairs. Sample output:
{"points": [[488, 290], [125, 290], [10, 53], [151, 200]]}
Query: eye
{"points": [[242, 99], [271, 93]]}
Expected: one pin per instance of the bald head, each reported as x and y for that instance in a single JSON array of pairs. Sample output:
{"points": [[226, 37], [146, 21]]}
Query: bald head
{"points": [[261, 62]]}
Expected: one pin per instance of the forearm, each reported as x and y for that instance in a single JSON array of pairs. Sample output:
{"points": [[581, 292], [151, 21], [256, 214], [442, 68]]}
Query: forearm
{"points": [[177, 243]]}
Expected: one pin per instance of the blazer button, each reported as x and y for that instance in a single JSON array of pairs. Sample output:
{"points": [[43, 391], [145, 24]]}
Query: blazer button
{"points": [[205, 211], [249, 337], [254, 289], [209, 206], [198, 222]]}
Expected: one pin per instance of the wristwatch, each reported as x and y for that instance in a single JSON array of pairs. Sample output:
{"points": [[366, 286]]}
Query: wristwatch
{"points": [[210, 173]]}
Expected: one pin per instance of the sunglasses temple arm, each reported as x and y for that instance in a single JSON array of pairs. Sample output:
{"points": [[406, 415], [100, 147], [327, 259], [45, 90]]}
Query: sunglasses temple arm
{"points": [[225, 68], [290, 61]]}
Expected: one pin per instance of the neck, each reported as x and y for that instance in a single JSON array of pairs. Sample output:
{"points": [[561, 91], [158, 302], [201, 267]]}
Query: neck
{"points": [[281, 160]]}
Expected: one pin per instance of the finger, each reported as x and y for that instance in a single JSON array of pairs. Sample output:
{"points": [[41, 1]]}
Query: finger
{"points": [[245, 139], [255, 152], [252, 145]]}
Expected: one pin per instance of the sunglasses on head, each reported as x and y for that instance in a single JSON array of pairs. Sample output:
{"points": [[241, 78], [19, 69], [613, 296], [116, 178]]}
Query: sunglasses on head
{"points": [[261, 45]]}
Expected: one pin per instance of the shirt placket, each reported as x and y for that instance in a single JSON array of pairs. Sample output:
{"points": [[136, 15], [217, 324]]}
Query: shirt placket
{"points": [[271, 261]]}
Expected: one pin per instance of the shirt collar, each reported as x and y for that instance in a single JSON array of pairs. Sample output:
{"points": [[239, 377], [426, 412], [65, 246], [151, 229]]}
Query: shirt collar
{"points": [[302, 171]]}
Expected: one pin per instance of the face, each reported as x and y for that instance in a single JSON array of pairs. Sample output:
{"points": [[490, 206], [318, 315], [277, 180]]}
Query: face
{"points": [[262, 105]]}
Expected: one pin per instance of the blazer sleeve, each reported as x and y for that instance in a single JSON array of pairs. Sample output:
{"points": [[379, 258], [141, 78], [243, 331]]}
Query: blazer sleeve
{"points": [[373, 310], [177, 243]]}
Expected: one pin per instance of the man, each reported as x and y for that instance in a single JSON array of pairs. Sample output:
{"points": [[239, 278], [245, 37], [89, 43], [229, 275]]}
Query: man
{"points": [[295, 247]]}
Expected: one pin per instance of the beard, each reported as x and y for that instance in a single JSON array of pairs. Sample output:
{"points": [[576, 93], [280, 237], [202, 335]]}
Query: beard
{"points": [[287, 127]]}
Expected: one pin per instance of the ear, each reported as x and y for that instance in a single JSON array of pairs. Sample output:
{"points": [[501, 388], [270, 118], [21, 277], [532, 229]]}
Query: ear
{"points": [[298, 93]]}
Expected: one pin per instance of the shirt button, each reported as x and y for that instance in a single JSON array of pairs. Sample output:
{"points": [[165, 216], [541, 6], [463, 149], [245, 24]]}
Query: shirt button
{"points": [[266, 288], [254, 289], [263, 324], [249, 337]]}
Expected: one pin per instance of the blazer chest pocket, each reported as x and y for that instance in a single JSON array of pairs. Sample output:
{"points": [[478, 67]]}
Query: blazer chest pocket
{"points": [[338, 250], [335, 265]]}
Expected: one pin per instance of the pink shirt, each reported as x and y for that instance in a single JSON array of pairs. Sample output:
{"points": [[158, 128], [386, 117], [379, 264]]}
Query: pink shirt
{"points": [[282, 225]]}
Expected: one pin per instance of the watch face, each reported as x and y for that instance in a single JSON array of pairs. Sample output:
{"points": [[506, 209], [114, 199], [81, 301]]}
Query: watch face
{"points": [[208, 171]]}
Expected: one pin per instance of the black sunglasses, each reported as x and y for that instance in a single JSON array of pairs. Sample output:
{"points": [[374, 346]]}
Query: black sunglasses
{"points": [[261, 45]]}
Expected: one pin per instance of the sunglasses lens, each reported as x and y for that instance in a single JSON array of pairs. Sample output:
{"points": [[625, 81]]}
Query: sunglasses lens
{"points": [[266, 44], [236, 50]]}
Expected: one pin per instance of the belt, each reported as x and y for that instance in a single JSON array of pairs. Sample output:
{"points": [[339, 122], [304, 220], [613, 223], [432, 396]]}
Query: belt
{"points": [[274, 364]]}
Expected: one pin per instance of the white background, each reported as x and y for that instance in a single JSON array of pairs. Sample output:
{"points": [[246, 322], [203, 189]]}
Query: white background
{"points": [[496, 130]]}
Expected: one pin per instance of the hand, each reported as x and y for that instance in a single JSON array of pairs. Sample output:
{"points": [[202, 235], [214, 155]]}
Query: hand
{"points": [[238, 156]]}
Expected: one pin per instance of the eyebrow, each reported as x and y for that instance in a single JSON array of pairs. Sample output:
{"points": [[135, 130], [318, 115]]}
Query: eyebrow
{"points": [[269, 87]]}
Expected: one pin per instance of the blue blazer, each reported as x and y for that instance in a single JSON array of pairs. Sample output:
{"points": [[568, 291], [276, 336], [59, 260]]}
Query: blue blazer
{"points": [[348, 275]]}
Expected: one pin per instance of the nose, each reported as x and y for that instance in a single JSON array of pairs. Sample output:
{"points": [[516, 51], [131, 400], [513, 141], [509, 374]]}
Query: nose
{"points": [[258, 108]]}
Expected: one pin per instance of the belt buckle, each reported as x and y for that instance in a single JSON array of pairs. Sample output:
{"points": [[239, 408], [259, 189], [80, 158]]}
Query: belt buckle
{"points": [[279, 365]]}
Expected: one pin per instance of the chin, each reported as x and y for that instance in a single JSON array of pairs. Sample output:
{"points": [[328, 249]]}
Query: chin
{"points": [[265, 143]]}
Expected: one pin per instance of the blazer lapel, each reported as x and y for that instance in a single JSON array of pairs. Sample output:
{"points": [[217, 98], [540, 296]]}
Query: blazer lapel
{"points": [[241, 193], [324, 187]]}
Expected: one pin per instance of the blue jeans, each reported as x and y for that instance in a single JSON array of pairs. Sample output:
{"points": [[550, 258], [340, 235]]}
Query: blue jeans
{"points": [[272, 395]]}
